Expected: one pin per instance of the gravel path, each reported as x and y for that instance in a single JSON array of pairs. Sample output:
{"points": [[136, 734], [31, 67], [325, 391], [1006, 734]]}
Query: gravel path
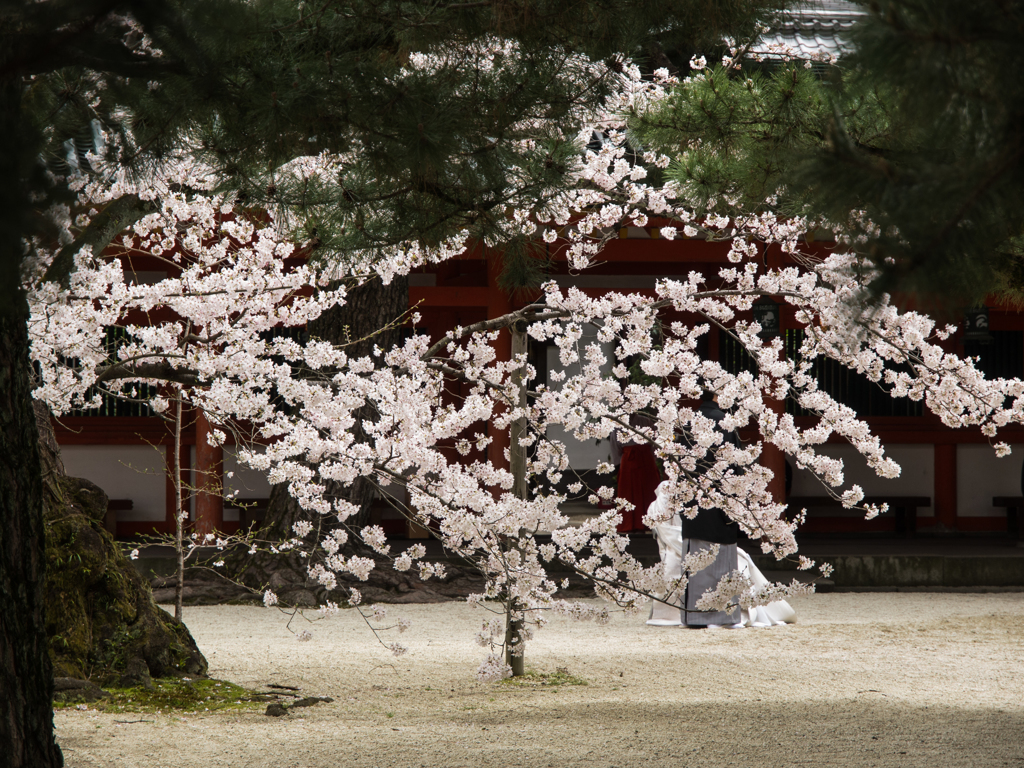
{"points": [[864, 679]]}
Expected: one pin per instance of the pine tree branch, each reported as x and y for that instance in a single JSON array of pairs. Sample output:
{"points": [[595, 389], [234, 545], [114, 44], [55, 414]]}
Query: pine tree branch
{"points": [[1010, 162], [101, 231]]}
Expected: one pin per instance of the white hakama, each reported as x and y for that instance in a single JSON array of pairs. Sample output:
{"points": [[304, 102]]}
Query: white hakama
{"points": [[669, 611]]}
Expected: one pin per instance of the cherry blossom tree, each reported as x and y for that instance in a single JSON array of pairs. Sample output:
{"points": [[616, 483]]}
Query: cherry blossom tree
{"points": [[292, 405], [262, 83]]}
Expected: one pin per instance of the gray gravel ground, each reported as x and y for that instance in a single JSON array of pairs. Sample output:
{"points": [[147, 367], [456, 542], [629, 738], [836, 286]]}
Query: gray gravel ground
{"points": [[864, 679]]}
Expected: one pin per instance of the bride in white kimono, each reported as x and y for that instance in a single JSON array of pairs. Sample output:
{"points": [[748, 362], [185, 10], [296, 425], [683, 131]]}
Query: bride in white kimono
{"points": [[671, 546]]}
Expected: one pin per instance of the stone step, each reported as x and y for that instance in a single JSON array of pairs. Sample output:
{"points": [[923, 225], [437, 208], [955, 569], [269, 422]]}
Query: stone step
{"points": [[858, 564]]}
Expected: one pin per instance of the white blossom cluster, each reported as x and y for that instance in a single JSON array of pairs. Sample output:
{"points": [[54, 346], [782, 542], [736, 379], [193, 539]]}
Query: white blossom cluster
{"points": [[734, 589], [493, 669]]}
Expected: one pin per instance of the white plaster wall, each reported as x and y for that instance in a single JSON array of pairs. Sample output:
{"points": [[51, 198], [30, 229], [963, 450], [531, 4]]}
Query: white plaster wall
{"points": [[249, 483], [980, 476], [133, 472], [582, 454], [917, 476]]}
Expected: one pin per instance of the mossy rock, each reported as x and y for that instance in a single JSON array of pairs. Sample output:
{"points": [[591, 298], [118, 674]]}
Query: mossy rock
{"points": [[101, 621], [68, 690]]}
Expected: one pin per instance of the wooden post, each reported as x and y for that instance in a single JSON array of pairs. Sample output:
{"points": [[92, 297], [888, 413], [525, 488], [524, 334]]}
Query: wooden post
{"points": [[209, 490]]}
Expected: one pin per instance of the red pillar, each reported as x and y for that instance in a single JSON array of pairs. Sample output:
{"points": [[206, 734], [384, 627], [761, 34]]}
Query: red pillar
{"points": [[774, 459], [945, 485], [771, 457], [209, 466], [498, 304]]}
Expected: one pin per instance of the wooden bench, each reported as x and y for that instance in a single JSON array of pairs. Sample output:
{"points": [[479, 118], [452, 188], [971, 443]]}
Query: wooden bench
{"points": [[113, 507], [1014, 506], [904, 508]]}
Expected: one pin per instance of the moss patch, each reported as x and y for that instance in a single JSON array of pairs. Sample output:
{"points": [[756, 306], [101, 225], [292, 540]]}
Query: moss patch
{"points": [[534, 679], [177, 695]]}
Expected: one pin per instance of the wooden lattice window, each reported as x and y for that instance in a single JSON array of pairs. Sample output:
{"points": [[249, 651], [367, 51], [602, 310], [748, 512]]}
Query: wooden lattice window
{"points": [[135, 398], [855, 390]]}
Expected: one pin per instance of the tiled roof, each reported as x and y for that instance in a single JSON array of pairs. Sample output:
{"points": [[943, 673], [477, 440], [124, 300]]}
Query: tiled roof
{"points": [[810, 29]]}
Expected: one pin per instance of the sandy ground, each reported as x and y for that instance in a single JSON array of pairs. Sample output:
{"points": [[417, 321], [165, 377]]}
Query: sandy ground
{"points": [[877, 679]]}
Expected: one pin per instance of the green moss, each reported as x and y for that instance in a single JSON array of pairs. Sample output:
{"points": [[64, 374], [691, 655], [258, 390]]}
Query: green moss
{"points": [[177, 695], [534, 679]]}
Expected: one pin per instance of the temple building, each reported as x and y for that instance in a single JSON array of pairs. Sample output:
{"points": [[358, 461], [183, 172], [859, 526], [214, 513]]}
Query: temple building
{"points": [[951, 484], [951, 481]]}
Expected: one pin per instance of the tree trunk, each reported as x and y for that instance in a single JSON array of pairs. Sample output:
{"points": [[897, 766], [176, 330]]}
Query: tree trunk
{"points": [[26, 676], [517, 453], [368, 309], [179, 517], [102, 623], [515, 655], [101, 620]]}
